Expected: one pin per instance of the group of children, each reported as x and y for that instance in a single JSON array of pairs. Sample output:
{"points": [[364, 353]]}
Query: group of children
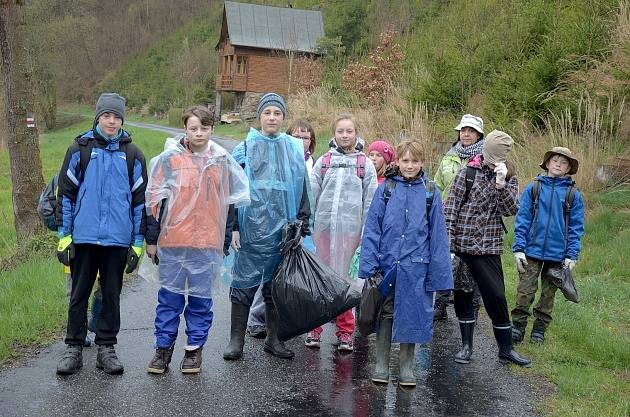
{"points": [[199, 199]]}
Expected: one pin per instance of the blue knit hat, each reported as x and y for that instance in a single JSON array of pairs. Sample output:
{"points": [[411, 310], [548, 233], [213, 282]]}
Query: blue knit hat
{"points": [[271, 99]]}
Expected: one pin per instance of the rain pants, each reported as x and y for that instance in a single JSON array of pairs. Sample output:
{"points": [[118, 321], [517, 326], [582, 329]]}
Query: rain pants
{"points": [[279, 193], [412, 251]]}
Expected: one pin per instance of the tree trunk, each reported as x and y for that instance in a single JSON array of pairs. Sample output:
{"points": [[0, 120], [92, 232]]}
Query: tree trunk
{"points": [[22, 141]]}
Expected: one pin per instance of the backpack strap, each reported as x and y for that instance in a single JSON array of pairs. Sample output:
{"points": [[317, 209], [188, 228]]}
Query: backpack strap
{"points": [[86, 154], [569, 197], [325, 163], [361, 161], [429, 187], [390, 184]]}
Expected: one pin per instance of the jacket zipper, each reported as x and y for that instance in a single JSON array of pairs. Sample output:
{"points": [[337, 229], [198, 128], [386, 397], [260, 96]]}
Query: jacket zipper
{"points": [[553, 193]]}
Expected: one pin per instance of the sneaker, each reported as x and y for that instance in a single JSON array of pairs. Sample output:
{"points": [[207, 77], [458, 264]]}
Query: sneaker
{"points": [[345, 342], [161, 360], [313, 340], [71, 361], [107, 360], [191, 364], [537, 337]]}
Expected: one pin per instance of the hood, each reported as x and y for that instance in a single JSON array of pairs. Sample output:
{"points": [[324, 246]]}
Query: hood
{"points": [[359, 146]]}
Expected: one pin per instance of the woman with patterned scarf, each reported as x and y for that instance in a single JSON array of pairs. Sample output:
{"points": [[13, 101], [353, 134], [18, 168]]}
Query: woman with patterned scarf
{"points": [[469, 143]]}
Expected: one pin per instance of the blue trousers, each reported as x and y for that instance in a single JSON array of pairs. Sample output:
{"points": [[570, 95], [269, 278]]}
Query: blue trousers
{"points": [[198, 315]]}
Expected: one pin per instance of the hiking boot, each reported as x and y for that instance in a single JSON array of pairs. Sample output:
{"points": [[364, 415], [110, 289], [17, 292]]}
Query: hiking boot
{"points": [[440, 311], [518, 332], [467, 330], [107, 360], [407, 361], [507, 354], [537, 337], [383, 347], [71, 361], [345, 342], [161, 360], [257, 332], [87, 342], [191, 364], [313, 340], [238, 324], [274, 345]]}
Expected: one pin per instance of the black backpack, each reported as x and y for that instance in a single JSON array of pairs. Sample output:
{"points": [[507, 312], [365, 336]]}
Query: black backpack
{"points": [[47, 204]]}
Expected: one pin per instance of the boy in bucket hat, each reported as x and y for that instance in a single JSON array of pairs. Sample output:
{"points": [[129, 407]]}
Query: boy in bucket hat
{"points": [[541, 237]]}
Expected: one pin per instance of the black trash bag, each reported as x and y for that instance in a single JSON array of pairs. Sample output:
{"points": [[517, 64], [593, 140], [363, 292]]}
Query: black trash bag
{"points": [[561, 277], [370, 306], [307, 292]]}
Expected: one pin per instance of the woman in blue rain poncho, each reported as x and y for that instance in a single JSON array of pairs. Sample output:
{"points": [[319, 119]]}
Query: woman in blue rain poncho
{"points": [[274, 164], [410, 248]]}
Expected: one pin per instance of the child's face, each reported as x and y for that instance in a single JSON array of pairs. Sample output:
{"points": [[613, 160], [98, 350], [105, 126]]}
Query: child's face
{"points": [[109, 123], [303, 134], [468, 136], [558, 166], [271, 120], [345, 134], [197, 134], [409, 165], [377, 159]]}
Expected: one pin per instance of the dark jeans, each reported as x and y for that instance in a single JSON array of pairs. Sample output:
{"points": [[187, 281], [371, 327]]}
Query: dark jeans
{"points": [[109, 262], [245, 296], [488, 274]]}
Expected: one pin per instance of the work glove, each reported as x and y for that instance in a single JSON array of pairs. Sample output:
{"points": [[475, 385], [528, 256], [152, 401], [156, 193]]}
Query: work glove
{"points": [[133, 257], [521, 261], [501, 171], [65, 250], [569, 263], [236, 240]]}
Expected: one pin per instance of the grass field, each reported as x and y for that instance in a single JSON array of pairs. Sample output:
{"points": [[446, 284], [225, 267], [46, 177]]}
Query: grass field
{"points": [[586, 355]]}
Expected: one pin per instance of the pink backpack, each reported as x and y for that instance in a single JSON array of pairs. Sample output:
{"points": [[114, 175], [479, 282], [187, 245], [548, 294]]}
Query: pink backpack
{"points": [[361, 160]]}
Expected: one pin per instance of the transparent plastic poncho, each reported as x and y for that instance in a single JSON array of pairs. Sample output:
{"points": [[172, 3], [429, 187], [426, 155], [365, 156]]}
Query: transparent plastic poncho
{"points": [[341, 201], [195, 190], [277, 173]]}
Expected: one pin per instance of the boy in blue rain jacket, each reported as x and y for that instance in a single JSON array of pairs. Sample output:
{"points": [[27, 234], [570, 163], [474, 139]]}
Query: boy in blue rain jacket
{"points": [[542, 237], [411, 249]]}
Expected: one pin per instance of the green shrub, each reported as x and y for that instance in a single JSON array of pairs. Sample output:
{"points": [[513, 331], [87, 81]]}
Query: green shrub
{"points": [[175, 116]]}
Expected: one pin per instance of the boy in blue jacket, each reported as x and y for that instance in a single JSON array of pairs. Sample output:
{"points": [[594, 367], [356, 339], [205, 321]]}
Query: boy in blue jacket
{"points": [[542, 237], [101, 225]]}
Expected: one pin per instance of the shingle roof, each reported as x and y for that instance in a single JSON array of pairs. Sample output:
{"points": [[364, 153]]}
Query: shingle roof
{"points": [[273, 27]]}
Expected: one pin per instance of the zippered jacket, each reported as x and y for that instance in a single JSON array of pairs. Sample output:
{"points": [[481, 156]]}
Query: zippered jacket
{"points": [[541, 235], [102, 205]]}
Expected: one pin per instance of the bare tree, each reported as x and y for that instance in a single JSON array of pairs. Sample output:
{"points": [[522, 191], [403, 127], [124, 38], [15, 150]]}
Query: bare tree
{"points": [[23, 140]]}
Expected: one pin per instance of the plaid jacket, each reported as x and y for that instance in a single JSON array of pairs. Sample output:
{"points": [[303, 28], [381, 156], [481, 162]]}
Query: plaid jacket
{"points": [[474, 227]]}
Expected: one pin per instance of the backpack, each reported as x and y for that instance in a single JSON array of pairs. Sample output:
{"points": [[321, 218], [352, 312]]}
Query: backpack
{"points": [[429, 187], [361, 161], [47, 204], [471, 174], [567, 204]]}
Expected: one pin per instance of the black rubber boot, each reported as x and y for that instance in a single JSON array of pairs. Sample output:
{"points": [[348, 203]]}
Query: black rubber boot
{"points": [[383, 347], [107, 360], [273, 345], [407, 360], [234, 350], [507, 354], [467, 329], [71, 361]]}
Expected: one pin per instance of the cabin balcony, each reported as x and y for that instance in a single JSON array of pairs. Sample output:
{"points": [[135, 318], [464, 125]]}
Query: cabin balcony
{"points": [[232, 82]]}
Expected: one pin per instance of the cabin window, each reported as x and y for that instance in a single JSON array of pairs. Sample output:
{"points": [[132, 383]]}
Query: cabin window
{"points": [[241, 65]]}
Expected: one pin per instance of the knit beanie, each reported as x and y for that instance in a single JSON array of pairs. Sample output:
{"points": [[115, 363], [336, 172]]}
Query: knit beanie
{"points": [[110, 103], [271, 99], [385, 149], [496, 147]]}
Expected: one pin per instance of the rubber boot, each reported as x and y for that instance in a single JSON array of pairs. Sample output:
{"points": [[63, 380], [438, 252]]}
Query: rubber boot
{"points": [[383, 347], [238, 324], [507, 354], [273, 345], [407, 361], [467, 330]]}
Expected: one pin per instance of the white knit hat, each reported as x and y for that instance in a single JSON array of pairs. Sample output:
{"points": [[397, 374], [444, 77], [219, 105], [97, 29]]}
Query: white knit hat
{"points": [[468, 120]]}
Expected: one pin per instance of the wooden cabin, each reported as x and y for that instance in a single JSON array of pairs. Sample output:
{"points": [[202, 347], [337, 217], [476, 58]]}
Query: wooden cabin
{"points": [[263, 49]]}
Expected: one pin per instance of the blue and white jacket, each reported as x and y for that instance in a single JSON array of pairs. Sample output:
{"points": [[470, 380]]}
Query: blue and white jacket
{"points": [[543, 237], [103, 205]]}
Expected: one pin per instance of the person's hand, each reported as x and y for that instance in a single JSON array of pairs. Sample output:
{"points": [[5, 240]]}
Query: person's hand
{"points": [[133, 257], [65, 250], [569, 263], [521, 261], [501, 171], [236, 240], [452, 256], [152, 254]]}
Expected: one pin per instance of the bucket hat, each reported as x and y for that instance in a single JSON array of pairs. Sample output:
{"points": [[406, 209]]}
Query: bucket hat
{"points": [[566, 152], [469, 120]]}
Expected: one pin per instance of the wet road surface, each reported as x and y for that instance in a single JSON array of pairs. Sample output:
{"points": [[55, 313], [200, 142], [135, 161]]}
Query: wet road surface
{"points": [[316, 383]]}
